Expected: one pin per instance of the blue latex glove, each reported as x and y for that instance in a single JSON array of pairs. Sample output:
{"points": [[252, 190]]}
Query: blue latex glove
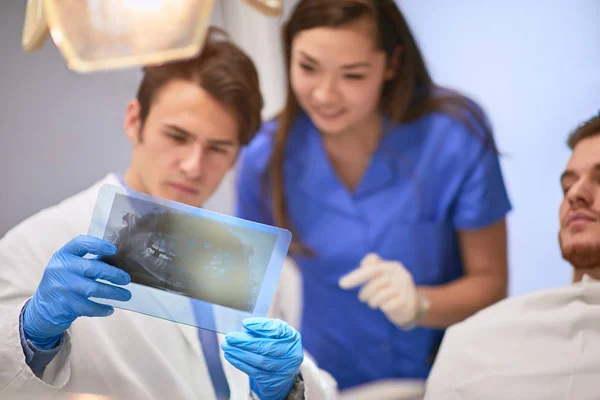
{"points": [[68, 281], [269, 352]]}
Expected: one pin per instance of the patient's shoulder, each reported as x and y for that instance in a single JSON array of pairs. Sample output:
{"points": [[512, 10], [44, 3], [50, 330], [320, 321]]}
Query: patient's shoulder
{"points": [[533, 312]]}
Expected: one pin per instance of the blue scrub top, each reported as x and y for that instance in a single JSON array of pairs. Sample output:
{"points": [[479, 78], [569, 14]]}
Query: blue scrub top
{"points": [[426, 180]]}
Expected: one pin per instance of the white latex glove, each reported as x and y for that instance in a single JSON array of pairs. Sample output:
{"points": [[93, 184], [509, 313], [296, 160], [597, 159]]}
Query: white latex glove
{"points": [[387, 285]]}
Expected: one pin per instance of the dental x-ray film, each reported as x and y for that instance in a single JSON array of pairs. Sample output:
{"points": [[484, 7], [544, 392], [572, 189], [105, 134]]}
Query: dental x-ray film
{"points": [[187, 264]]}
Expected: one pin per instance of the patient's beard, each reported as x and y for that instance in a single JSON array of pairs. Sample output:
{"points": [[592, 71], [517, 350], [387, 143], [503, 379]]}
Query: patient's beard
{"points": [[585, 259]]}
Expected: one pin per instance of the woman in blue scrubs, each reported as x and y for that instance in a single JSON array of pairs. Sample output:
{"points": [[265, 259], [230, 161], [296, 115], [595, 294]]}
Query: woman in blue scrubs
{"points": [[391, 186]]}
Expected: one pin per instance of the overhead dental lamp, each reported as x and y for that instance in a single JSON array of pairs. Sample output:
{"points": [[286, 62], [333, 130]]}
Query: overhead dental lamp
{"points": [[94, 35]]}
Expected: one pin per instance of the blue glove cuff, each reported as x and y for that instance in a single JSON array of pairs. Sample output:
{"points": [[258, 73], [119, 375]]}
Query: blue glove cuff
{"points": [[39, 343], [293, 391]]}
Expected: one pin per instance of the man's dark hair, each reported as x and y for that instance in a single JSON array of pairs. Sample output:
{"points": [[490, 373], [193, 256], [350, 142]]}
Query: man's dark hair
{"points": [[223, 70], [587, 129]]}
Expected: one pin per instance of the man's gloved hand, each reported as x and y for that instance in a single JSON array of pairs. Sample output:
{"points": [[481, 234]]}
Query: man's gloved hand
{"points": [[68, 281], [269, 352], [387, 286]]}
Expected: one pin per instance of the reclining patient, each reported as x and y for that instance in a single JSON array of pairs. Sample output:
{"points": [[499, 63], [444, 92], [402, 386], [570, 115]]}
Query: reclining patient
{"points": [[544, 345]]}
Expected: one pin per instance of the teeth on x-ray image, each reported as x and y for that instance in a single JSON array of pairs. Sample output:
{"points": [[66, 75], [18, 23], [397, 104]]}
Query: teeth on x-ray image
{"points": [[185, 254]]}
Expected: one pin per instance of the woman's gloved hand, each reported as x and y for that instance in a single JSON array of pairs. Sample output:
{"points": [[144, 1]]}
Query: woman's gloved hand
{"points": [[68, 281], [269, 352], [388, 286]]}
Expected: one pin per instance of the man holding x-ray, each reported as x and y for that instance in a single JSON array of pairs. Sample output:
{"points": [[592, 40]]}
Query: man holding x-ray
{"points": [[186, 126]]}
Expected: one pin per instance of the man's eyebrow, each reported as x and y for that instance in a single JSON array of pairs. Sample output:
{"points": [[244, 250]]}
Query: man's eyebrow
{"points": [[567, 174], [179, 130], [221, 142], [570, 173], [217, 142]]}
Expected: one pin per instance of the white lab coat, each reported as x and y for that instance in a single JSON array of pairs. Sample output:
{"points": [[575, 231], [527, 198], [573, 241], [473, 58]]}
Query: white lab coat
{"points": [[127, 355], [539, 346]]}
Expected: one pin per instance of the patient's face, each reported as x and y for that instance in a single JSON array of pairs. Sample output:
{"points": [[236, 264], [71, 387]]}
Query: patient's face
{"points": [[580, 209], [188, 143]]}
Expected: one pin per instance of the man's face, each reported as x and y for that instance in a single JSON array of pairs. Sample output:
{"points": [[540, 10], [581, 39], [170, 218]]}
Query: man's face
{"points": [[186, 145], [580, 209]]}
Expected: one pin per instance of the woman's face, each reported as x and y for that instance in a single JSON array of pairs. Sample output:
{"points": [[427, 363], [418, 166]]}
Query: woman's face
{"points": [[337, 75]]}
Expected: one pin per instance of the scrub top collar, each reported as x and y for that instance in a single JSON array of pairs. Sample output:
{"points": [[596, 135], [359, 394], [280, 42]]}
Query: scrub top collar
{"points": [[313, 172]]}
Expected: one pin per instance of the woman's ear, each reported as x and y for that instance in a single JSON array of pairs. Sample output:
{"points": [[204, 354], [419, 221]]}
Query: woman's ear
{"points": [[133, 122], [394, 63]]}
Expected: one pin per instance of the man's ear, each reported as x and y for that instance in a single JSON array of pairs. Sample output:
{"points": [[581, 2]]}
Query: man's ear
{"points": [[133, 122], [394, 63]]}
